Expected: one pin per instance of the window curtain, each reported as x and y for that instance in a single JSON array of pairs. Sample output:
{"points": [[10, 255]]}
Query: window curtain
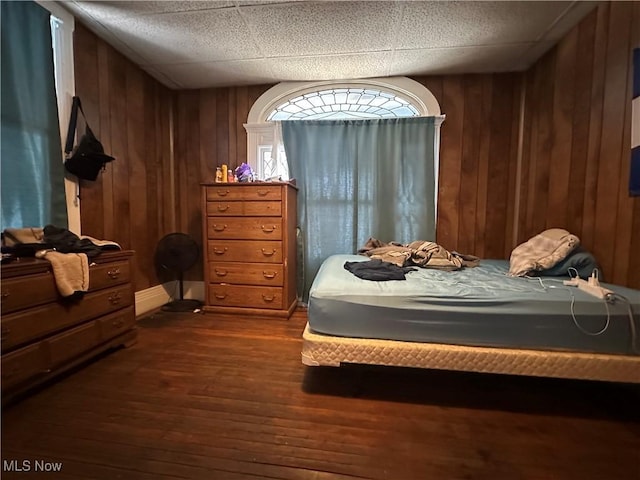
{"points": [[359, 179], [32, 175]]}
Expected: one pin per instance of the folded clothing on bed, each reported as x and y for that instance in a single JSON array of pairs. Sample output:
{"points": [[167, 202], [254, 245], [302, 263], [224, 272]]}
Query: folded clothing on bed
{"points": [[420, 253], [378, 270]]}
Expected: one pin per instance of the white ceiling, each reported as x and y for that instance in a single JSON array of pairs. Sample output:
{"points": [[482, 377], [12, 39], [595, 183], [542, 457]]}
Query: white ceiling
{"points": [[200, 44]]}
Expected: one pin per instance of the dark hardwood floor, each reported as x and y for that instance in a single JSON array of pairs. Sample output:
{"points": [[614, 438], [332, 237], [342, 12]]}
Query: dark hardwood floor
{"points": [[211, 397]]}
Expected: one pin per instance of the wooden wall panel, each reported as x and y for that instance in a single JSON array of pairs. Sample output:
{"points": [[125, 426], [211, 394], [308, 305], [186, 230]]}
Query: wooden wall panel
{"points": [[477, 166], [130, 113], [633, 272], [577, 151]]}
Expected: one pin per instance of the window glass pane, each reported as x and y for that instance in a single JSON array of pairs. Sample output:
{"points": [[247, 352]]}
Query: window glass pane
{"points": [[328, 99], [341, 97], [316, 100], [305, 104]]}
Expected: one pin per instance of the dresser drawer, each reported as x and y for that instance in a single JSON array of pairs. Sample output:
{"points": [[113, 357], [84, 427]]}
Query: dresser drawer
{"points": [[251, 228], [18, 328], [22, 365], [27, 291], [34, 290], [244, 192], [105, 275], [116, 323], [245, 296], [239, 208], [246, 273], [72, 343], [244, 251]]}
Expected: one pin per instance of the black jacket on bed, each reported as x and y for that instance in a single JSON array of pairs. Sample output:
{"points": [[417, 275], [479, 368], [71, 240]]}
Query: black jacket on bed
{"points": [[377, 270]]}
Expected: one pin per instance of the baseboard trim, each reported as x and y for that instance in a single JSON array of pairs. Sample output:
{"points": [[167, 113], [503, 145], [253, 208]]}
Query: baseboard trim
{"points": [[154, 297], [150, 299]]}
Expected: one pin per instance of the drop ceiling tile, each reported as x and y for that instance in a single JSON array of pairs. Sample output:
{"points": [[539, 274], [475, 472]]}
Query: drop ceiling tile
{"points": [[217, 74], [456, 60], [119, 9], [322, 27], [449, 24], [128, 50], [331, 67], [212, 35]]}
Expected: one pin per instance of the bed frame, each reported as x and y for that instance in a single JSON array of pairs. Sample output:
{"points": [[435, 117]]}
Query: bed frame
{"points": [[325, 350]]}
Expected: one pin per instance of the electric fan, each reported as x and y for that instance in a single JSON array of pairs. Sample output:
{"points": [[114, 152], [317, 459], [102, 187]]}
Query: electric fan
{"points": [[177, 253]]}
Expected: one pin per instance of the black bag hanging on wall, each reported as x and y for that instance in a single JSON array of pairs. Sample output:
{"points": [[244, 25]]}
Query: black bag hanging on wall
{"points": [[87, 159]]}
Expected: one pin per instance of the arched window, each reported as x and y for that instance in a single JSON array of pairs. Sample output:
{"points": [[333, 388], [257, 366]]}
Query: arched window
{"points": [[329, 100], [340, 103]]}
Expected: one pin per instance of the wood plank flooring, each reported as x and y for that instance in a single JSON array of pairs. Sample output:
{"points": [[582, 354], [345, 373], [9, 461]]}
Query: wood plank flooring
{"points": [[215, 397]]}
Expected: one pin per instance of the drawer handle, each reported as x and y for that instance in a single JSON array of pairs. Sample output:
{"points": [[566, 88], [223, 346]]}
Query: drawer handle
{"points": [[268, 254], [6, 294], [218, 251], [118, 323], [219, 228], [221, 296], [223, 208], [221, 273], [268, 298], [263, 193], [114, 298], [268, 229], [46, 370], [114, 274], [222, 193], [269, 275]]}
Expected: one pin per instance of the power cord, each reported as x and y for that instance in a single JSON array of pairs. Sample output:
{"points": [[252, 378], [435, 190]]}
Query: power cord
{"points": [[610, 298]]}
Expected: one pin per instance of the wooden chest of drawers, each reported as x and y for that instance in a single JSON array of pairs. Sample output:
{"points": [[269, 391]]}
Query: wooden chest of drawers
{"points": [[43, 334], [250, 248]]}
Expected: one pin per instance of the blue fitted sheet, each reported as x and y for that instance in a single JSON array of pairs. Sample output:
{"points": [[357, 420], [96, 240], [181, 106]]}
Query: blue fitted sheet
{"points": [[479, 306]]}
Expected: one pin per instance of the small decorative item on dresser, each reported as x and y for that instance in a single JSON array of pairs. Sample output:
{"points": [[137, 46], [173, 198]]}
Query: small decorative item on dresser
{"points": [[224, 173], [244, 173], [218, 175]]}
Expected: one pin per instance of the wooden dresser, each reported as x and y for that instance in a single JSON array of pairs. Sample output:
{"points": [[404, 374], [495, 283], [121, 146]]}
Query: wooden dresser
{"points": [[44, 334], [250, 248]]}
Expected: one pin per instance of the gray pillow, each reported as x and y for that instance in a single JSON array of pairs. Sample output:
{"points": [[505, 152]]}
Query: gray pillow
{"points": [[584, 263]]}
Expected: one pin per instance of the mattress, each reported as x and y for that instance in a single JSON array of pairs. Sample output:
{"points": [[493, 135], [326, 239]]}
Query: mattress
{"points": [[473, 307]]}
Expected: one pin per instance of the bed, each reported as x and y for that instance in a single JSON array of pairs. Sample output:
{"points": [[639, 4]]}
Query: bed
{"points": [[475, 319]]}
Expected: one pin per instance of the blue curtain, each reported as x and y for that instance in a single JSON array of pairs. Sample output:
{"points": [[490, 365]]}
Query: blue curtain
{"points": [[32, 172], [359, 179]]}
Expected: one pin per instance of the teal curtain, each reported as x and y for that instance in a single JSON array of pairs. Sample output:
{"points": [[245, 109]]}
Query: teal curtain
{"points": [[32, 172], [359, 179]]}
